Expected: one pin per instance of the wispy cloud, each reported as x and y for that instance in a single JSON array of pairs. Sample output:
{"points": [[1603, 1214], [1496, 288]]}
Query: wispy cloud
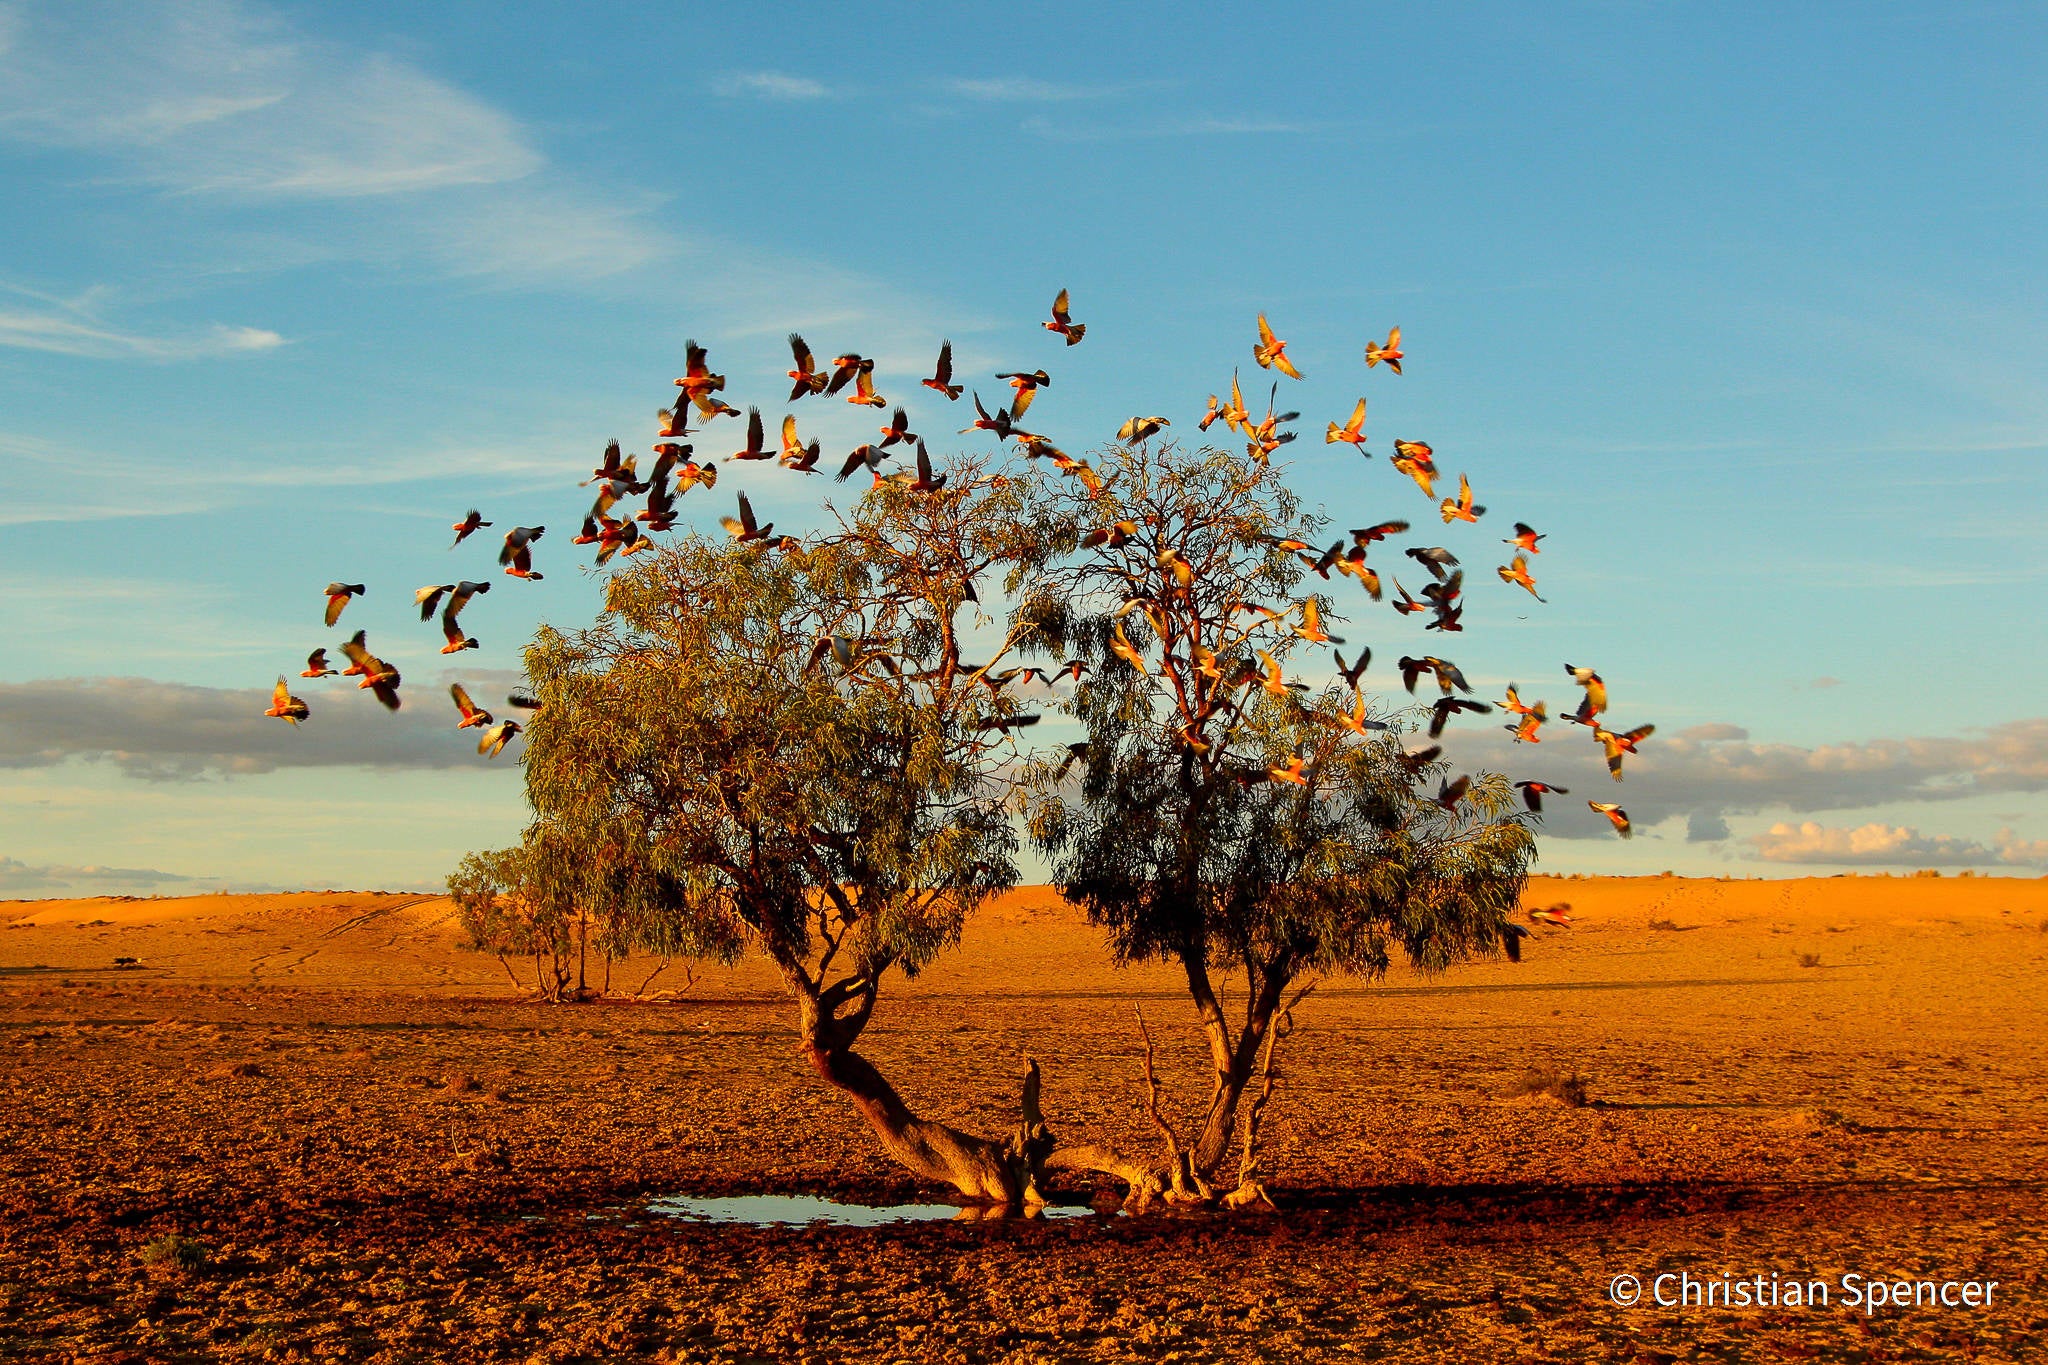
{"points": [[58, 334], [769, 85], [1025, 89], [225, 101], [1892, 845]]}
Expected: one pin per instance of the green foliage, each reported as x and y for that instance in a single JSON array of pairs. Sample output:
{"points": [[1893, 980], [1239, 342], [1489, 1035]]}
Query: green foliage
{"points": [[1176, 839]]}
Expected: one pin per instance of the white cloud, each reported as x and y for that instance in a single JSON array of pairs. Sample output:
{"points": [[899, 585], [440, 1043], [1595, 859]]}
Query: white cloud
{"points": [[769, 85], [224, 101], [58, 334], [1891, 845]]}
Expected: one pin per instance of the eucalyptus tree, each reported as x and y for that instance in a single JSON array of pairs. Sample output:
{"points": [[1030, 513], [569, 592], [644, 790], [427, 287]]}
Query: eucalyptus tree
{"points": [[783, 747], [1224, 817]]}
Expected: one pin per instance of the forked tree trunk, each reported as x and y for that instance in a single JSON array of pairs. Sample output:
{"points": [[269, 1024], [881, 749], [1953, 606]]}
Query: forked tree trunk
{"points": [[1236, 1059]]}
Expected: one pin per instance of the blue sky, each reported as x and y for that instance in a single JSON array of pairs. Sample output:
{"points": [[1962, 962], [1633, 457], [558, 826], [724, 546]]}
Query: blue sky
{"points": [[1744, 307]]}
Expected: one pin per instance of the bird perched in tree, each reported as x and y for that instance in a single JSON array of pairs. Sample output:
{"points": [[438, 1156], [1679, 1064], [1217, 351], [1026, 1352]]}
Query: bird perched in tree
{"points": [[285, 706], [472, 714], [517, 556], [1534, 792], [1112, 536], [1616, 816], [1271, 352], [316, 665], [1389, 354], [743, 527], [942, 374], [1352, 433], [338, 595], [1618, 744], [1517, 573], [1062, 323], [1596, 687], [1461, 507], [1138, 428], [497, 737], [1418, 462], [806, 374], [1525, 538], [470, 523]]}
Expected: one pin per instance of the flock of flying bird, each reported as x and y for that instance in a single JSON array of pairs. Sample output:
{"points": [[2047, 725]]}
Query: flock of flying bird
{"points": [[616, 530]]}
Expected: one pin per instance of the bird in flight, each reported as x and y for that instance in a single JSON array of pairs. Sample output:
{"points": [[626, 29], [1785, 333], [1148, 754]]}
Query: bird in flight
{"points": [[1138, 428], [1352, 433], [864, 387], [1351, 673], [1294, 770], [898, 431], [458, 598], [1534, 792], [1616, 816], [1525, 538], [942, 375], [1063, 324], [1618, 744], [757, 440], [1441, 711], [1418, 462], [743, 527], [698, 382], [316, 665], [1311, 627], [1558, 916], [473, 522], [1517, 573], [1451, 792], [472, 714], [285, 706], [517, 556], [806, 374], [1271, 352], [1460, 508], [338, 595], [1390, 353], [380, 677], [1596, 688], [497, 737]]}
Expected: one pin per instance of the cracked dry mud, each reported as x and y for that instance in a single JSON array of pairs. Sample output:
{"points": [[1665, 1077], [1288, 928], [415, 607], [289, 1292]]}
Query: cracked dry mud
{"points": [[381, 1155]]}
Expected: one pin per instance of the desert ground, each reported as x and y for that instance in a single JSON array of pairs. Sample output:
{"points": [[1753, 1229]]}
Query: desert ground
{"points": [[317, 1127]]}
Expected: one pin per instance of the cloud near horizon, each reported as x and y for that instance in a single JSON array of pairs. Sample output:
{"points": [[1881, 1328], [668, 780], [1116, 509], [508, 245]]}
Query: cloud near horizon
{"points": [[168, 732], [1878, 843], [1711, 771]]}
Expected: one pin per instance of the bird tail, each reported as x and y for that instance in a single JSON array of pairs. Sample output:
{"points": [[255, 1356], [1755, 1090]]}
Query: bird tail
{"points": [[1076, 332]]}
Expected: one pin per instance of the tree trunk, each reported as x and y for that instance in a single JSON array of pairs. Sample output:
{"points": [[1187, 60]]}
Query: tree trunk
{"points": [[1236, 1061]]}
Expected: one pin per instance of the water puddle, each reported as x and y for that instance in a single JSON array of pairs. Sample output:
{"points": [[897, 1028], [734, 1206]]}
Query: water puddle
{"points": [[801, 1210]]}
